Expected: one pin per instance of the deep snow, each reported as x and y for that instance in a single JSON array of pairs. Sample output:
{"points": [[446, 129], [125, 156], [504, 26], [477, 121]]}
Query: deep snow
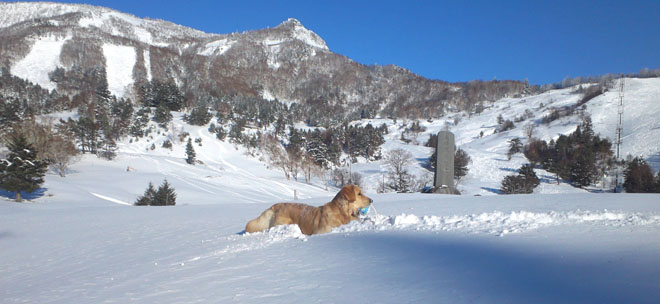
{"points": [[563, 248]]}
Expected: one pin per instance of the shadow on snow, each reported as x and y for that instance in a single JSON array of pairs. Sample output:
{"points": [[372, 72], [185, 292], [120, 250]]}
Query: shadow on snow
{"points": [[24, 195]]}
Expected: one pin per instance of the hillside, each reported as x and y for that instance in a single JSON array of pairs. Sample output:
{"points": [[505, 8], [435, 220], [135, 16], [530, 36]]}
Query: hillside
{"points": [[287, 62], [229, 173]]}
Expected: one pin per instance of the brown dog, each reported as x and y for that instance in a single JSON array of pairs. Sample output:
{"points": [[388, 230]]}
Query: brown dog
{"points": [[344, 208]]}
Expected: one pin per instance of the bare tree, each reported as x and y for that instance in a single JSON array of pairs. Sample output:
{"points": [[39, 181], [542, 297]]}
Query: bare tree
{"points": [[309, 167], [529, 129], [322, 173], [397, 160], [61, 154], [58, 150], [294, 161], [275, 152]]}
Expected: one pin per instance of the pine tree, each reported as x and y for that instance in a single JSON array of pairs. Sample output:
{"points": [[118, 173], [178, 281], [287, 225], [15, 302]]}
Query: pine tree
{"points": [[583, 170], [21, 170], [199, 116], [190, 152], [531, 180], [522, 183], [317, 149], [108, 149], [165, 196], [148, 197], [162, 116], [236, 131], [515, 146], [638, 177], [461, 161]]}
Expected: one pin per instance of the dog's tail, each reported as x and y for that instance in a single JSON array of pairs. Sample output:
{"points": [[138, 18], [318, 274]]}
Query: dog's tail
{"points": [[261, 223]]}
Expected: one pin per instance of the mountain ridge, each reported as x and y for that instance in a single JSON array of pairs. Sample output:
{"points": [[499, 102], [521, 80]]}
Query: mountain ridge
{"points": [[287, 62]]}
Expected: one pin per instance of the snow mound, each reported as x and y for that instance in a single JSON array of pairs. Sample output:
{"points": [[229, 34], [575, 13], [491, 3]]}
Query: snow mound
{"points": [[498, 223]]}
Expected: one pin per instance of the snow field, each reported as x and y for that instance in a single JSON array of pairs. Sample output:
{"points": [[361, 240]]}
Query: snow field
{"points": [[119, 62], [44, 57], [443, 249]]}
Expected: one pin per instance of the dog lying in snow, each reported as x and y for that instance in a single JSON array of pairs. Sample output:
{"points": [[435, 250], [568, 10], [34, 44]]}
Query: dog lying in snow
{"points": [[345, 207]]}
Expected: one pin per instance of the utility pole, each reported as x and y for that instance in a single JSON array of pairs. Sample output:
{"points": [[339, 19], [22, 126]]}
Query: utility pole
{"points": [[619, 130], [619, 127]]}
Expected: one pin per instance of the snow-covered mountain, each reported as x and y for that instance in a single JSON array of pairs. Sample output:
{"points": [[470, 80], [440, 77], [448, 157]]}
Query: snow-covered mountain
{"points": [[288, 62]]}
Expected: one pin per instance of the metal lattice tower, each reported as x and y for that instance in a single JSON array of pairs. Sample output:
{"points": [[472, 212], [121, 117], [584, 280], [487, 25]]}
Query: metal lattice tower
{"points": [[619, 126], [619, 132]]}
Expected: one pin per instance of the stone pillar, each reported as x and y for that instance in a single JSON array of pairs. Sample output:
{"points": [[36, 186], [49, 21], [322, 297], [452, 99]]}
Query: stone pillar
{"points": [[443, 181]]}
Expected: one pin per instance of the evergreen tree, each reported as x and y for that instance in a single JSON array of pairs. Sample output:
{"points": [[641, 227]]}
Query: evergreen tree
{"points": [[236, 131], [220, 133], [317, 149], [515, 146], [21, 170], [148, 197], [199, 116], [165, 196], [108, 149], [158, 93], [9, 111], [531, 180], [87, 128], [190, 152], [162, 116], [638, 177], [583, 169], [140, 122], [522, 183], [461, 161]]}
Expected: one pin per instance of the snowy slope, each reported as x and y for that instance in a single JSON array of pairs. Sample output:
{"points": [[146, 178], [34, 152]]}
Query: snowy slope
{"points": [[44, 57], [119, 61], [641, 133], [229, 173]]}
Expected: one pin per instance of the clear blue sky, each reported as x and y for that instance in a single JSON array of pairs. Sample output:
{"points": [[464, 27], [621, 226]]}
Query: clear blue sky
{"points": [[543, 41]]}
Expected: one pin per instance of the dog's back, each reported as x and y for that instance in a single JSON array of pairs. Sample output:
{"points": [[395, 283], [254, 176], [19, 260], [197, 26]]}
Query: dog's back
{"points": [[284, 214], [312, 220]]}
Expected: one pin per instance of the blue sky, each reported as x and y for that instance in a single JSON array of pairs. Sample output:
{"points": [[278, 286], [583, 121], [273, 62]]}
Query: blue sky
{"points": [[450, 40]]}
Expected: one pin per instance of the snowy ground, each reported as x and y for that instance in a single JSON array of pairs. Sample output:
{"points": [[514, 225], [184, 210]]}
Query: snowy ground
{"points": [[563, 248], [78, 240]]}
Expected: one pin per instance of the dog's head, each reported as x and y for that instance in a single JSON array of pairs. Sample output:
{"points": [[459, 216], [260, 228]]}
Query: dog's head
{"points": [[352, 199]]}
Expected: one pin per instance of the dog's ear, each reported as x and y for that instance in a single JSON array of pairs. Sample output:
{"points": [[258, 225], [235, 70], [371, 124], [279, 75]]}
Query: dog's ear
{"points": [[348, 193]]}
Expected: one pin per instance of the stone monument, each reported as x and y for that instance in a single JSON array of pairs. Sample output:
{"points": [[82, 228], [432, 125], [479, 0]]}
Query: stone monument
{"points": [[443, 181]]}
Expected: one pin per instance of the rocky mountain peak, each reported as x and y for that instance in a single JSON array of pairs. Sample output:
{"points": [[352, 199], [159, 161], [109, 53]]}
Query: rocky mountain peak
{"points": [[297, 31]]}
